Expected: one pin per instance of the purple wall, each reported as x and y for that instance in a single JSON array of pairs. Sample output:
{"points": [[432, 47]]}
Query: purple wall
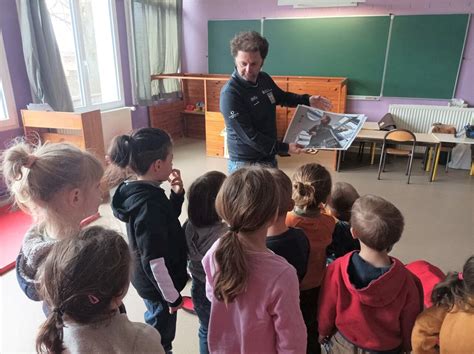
{"points": [[10, 28], [197, 13], [140, 115]]}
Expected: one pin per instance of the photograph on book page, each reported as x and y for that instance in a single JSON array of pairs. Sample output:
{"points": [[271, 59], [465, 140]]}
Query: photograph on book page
{"points": [[313, 128]]}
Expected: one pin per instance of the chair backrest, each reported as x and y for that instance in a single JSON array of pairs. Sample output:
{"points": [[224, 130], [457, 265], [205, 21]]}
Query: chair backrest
{"points": [[400, 135]]}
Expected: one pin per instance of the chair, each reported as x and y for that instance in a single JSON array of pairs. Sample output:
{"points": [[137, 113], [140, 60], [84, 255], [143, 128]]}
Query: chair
{"points": [[398, 136]]}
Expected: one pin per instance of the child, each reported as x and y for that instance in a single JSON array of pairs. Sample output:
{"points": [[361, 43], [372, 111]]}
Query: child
{"points": [[288, 242], [339, 205], [254, 292], [202, 229], [60, 186], [311, 187], [83, 281], [447, 326], [369, 301], [153, 228]]}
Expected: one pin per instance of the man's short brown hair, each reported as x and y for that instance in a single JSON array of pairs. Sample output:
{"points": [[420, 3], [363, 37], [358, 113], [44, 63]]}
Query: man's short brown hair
{"points": [[250, 41], [376, 222]]}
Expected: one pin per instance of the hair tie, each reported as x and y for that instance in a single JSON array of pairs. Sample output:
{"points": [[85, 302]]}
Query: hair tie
{"points": [[234, 229], [460, 276], [93, 299], [58, 311], [30, 161]]}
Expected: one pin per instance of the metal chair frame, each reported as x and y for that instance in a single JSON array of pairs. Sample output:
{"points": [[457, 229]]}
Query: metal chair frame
{"points": [[411, 153]]}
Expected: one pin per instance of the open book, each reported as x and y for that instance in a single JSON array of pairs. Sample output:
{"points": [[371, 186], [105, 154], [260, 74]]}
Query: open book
{"points": [[316, 129]]}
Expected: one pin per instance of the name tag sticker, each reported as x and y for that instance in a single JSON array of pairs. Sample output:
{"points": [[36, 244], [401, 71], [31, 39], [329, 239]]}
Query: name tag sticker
{"points": [[271, 97]]}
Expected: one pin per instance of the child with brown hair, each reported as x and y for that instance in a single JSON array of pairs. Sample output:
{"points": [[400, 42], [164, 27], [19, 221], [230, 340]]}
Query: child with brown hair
{"points": [[83, 281], [202, 229], [369, 301], [339, 205], [287, 242], [154, 231], [447, 326], [254, 292], [311, 187], [59, 185]]}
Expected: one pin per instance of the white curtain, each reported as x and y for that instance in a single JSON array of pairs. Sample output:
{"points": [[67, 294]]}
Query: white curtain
{"points": [[156, 28], [43, 62]]}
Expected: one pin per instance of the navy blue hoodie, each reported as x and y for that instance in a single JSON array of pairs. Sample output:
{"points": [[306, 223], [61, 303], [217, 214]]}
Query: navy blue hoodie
{"points": [[156, 238], [249, 112]]}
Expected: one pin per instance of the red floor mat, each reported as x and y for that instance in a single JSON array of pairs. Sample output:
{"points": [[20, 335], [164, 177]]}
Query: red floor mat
{"points": [[13, 226]]}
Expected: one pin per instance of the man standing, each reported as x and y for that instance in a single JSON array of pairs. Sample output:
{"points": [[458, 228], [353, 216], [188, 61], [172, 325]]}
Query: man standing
{"points": [[248, 103]]}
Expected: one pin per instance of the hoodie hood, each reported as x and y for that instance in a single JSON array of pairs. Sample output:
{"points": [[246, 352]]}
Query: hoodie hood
{"points": [[200, 239], [381, 291], [131, 195]]}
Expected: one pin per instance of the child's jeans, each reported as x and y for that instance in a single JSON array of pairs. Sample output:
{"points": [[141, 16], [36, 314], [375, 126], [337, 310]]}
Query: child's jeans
{"points": [[202, 306], [157, 314]]}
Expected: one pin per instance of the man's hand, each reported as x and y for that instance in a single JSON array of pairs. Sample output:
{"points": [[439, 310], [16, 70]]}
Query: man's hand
{"points": [[175, 309], [176, 182], [294, 148], [320, 102]]}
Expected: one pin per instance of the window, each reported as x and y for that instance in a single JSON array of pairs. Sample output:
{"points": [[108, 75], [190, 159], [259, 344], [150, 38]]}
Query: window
{"points": [[86, 33], [8, 114]]}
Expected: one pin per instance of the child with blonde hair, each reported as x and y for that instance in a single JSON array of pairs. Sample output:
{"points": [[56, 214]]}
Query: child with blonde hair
{"points": [[202, 229], [311, 188], [154, 231], [83, 281], [59, 185], [287, 242], [369, 301], [447, 326], [339, 205], [254, 292]]}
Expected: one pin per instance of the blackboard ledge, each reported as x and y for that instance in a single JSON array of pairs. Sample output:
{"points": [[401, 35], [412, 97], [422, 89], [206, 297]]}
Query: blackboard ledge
{"points": [[363, 98]]}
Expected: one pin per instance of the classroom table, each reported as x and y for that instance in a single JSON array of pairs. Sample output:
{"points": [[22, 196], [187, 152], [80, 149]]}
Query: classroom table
{"points": [[377, 136], [449, 138]]}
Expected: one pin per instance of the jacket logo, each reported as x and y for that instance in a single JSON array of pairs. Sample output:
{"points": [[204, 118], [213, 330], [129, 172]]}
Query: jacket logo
{"points": [[233, 114]]}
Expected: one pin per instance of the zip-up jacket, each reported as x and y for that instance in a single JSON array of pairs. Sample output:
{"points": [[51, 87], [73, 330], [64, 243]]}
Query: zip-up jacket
{"points": [[156, 239], [249, 112]]}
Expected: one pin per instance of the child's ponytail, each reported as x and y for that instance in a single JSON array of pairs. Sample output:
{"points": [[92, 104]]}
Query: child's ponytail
{"points": [[311, 186], [136, 152], [457, 288], [233, 268], [50, 335], [247, 201]]}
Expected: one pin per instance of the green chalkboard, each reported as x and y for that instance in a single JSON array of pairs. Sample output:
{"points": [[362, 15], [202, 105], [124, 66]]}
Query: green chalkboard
{"points": [[220, 33], [425, 52], [352, 47]]}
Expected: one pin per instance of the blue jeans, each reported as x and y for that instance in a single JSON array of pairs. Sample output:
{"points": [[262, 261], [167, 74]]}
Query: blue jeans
{"points": [[157, 314], [202, 306], [234, 165]]}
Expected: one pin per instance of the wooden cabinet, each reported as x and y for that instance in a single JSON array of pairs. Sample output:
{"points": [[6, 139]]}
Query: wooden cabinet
{"points": [[207, 88]]}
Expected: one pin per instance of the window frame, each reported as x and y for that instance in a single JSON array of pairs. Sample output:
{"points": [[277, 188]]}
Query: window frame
{"points": [[8, 97], [82, 63]]}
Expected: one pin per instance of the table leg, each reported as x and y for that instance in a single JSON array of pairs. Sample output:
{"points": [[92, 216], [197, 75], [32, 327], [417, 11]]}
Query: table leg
{"points": [[435, 162], [428, 161], [338, 159], [372, 153]]}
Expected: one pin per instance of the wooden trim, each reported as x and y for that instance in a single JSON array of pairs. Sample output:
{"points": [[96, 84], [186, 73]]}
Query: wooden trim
{"points": [[52, 120]]}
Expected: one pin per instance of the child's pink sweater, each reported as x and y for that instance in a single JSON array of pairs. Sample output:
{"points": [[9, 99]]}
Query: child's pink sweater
{"points": [[266, 318]]}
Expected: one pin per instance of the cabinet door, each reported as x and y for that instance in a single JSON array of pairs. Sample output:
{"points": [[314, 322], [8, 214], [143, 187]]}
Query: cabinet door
{"points": [[214, 140]]}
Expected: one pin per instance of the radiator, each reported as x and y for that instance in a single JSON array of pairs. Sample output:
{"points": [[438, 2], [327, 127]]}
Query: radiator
{"points": [[420, 118]]}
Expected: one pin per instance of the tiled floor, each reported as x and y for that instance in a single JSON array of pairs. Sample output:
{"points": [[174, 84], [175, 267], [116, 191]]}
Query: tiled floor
{"points": [[439, 228]]}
